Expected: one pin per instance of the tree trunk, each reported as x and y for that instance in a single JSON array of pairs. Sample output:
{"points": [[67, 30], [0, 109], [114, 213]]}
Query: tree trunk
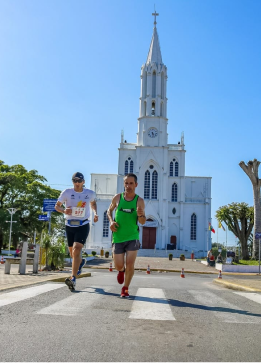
{"points": [[251, 169]]}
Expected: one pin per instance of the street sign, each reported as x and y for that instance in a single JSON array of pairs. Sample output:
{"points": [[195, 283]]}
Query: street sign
{"points": [[258, 235], [49, 204], [43, 217]]}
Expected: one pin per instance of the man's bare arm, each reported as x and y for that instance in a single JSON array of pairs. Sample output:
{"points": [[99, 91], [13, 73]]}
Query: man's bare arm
{"points": [[113, 205], [59, 208], [141, 211], [93, 205]]}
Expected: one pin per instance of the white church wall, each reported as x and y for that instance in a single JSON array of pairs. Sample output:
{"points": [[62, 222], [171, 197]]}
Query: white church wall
{"points": [[104, 184], [199, 210]]}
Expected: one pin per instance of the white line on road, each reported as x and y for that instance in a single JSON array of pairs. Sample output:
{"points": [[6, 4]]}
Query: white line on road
{"points": [[23, 294], [225, 311], [151, 304], [251, 296], [75, 303]]}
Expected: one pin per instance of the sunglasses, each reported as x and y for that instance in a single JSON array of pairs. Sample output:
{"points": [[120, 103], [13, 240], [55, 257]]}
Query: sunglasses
{"points": [[77, 180]]}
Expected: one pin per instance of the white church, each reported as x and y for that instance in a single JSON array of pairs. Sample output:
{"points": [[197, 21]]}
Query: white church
{"points": [[178, 207]]}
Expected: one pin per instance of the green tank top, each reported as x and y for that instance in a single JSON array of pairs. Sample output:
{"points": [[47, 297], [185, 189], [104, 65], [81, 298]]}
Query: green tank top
{"points": [[127, 219]]}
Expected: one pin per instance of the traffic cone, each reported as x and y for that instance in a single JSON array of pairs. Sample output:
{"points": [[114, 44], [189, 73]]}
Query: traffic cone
{"points": [[219, 275], [110, 269], [148, 270], [182, 273], [2, 260]]}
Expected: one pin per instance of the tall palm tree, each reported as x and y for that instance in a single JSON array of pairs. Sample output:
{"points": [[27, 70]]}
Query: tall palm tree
{"points": [[251, 170]]}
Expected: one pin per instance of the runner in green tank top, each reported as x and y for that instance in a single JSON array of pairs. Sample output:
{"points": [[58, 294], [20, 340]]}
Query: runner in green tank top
{"points": [[130, 209]]}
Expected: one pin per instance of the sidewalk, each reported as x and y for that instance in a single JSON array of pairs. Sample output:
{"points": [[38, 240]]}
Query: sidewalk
{"points": [[246, 282], [15, 280]]}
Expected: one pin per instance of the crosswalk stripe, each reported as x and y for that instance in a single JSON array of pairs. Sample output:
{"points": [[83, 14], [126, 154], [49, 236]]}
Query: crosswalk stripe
{"points": [[75, 303], [151, 304], [251, 296], [226, 311], [23, 294]]}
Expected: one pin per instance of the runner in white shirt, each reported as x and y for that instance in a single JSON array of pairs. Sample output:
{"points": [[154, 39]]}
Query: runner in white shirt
{"points": [[77, 201]]}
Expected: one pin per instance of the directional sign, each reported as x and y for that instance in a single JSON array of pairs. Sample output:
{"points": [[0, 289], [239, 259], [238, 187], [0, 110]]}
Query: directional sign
{"points": [[258, 235], [43, 217], [49, 204]]}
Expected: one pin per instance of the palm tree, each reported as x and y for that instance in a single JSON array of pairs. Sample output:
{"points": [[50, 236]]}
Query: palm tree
{"points": [[251, 170]]}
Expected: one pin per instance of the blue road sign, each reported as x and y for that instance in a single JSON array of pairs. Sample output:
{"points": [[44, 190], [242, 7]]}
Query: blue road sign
{"points": [[258, 236], [43, 217], [49, 204]]}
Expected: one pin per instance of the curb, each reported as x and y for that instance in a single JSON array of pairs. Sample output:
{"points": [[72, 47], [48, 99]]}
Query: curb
{"points": [[51, 278], [232, 286]]}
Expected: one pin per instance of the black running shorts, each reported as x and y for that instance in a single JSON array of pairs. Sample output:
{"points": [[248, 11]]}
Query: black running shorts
{"points": [[77, 234], [123, 247]]}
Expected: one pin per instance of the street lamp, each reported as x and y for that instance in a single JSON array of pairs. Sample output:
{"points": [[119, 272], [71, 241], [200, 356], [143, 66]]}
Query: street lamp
{"points": [[11, 211]]}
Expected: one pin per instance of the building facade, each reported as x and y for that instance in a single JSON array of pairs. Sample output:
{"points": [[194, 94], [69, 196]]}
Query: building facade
{"points": [[178, 207]]}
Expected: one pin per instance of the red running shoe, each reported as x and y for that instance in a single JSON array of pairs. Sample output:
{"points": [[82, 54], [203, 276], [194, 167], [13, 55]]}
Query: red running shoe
{"points": [[120, 277], [124, 292]]}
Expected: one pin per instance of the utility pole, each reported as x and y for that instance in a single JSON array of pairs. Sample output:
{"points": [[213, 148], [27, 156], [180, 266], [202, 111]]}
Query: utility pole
{"points": [[11, 211]]}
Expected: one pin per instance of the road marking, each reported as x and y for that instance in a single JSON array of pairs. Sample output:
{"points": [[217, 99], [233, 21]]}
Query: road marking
{"points": [[75, 303], [251, 296], [151, 304], [23, 294], [225, 311]]}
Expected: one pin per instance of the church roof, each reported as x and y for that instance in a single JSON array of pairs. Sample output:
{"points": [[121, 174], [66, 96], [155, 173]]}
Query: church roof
{"points": [[154, 51]]}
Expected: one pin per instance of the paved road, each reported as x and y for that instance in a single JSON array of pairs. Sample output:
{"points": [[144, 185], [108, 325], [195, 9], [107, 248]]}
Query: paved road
{"points": [[167, 319]]}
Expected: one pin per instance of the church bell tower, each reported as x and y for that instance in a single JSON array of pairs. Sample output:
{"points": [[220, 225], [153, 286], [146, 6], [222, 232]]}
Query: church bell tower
{"points": [[152, 121]]}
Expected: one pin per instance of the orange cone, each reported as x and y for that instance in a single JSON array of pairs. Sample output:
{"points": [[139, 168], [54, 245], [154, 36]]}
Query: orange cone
{"points": [[110, 269], [2, 260], [148, 270], [182, 273], [219, 275]]}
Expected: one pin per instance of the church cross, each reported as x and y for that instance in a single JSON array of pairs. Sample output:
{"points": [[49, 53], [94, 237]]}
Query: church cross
{"points": [[155, 14]]}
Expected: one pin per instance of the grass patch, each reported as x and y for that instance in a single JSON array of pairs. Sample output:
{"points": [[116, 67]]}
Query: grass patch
{"points": [[247, 262]]}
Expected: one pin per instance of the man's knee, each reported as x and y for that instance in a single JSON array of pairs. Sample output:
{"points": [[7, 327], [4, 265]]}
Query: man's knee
{"points": [[76, 250]]}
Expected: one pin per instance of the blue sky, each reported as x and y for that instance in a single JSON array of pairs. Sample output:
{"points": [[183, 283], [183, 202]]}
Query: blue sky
{"points": [[70, 82]]}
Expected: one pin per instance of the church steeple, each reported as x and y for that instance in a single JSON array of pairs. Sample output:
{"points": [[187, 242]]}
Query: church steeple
{"points": [[154, 54], [153, 98]]}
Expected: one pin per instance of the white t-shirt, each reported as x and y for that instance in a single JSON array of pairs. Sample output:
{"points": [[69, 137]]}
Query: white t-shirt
{"points": [[79, 202]]}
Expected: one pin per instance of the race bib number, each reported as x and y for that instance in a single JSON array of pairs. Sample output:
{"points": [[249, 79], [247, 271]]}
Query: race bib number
{"points": [[78, 212]]}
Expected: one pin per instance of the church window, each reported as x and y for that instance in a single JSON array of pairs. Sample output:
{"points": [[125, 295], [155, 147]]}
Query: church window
{"points": [[147, 185], [176, 168], [171, 168], [153, 109], [174, 211], [145, 108], [105, 232], [162, 85], [154, 84], [154, 189], [193, 227], [174, 193], [151, 166], [161, 109], [144, 84], [131, 166], [126, 167]]}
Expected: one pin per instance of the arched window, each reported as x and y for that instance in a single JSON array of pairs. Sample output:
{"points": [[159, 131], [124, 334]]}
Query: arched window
{"points": [[162, 85], [147, 185], [131, 166], [161, 109], [171, 168], [105, 232], [154, 189], [176, 168], [126, 167], [193, 227], [174, 193], [154, 84]]}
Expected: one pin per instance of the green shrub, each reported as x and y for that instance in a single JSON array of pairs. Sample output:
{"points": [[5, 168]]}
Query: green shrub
{"points": [[94, 253], [182, 255], [171, 255]]}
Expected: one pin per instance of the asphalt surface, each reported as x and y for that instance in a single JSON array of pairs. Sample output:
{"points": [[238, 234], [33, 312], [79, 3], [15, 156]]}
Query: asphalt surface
{"points": [[237, 281], [166, 319]]}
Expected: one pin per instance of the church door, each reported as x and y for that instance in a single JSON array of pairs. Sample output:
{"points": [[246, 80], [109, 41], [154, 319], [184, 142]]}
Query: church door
{"points": [[149, 238]]}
